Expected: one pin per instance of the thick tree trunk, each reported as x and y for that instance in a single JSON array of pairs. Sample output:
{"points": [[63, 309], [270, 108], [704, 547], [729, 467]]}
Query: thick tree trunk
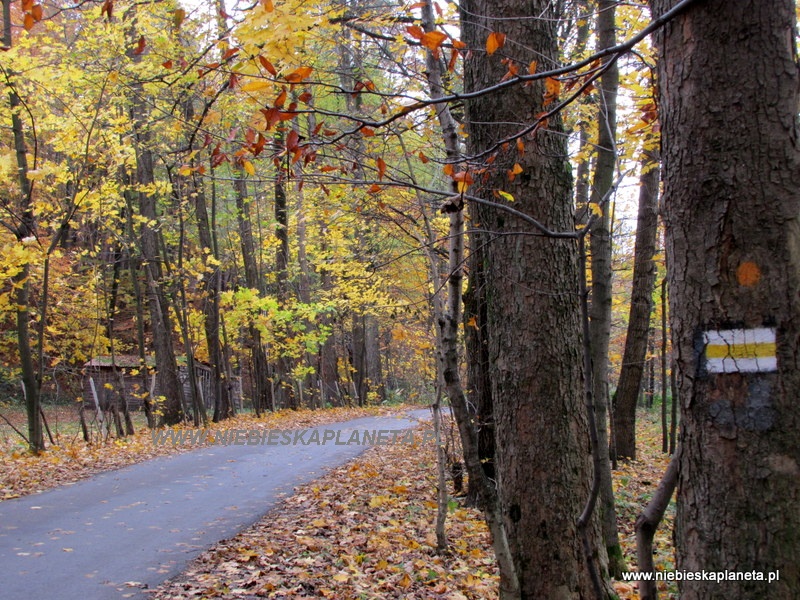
{"points": [[600, 246], [729, 99], [644, 277], [533, 324]]}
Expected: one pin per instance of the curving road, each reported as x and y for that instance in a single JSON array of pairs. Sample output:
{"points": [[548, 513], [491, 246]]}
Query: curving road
{"points": [[119, 533]]}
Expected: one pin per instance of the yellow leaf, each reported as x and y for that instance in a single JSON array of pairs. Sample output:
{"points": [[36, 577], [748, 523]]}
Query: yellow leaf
{"points": [[255, 86], [341, 577], [505, 196], [494, 42], [248, 167]]}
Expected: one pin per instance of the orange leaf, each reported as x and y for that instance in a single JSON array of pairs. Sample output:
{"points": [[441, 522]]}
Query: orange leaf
{"points": [[27, 5], [415, 31], [432, 40], [374, 189], [512, 71], [305, 97], [520, 146], [448, 170], [268, 5], [107, 8], [281, 99], [516, 169], [299, 75], [553, 86], [532, 67], [494, 42], [451, 65], [229, 53], [459, 44], [381, 168], [292, 140], [367, 131], [36, 11], [167, 64], [423, 158], [140, 46], [28, 22], [268, 66]]}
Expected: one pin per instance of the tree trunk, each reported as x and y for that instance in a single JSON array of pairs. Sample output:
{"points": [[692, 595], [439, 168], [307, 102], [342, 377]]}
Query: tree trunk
{"points": [[161, 327], [600, 246], [223, 406], [26, 228], [284, 396], [729, 96], [262, 393], [533, 324], [644, 277]]}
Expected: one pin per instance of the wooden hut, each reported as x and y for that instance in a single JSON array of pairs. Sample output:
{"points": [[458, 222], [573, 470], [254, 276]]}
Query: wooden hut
{"points": [[107, 381]]}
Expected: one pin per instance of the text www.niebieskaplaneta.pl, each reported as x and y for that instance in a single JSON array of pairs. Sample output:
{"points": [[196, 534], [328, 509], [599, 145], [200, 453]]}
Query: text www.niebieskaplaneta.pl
{"points": [[299, 437]]}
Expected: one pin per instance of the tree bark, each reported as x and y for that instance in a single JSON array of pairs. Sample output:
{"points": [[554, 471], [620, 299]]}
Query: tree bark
{"points": [[533, 317], [262, 392], [728, 80], [646, 526], [600, 246], [25, 228], [644, 277]]}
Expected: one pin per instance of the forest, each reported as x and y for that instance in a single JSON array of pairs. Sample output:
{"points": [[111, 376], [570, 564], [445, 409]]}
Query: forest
{"points": [[540, 214]]}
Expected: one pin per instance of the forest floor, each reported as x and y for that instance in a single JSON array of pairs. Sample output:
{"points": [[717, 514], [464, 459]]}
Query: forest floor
{"points": [[364, 530]]}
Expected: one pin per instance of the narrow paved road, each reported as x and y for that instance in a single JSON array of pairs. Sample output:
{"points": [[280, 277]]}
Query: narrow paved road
{"points": [[122, 532]]}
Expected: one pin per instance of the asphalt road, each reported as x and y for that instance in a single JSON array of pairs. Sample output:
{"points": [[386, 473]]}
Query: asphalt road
{"points": [[122, 532]]}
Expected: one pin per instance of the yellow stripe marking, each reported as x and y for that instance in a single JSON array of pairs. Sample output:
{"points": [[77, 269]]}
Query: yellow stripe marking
{"points": [[763, 350]]}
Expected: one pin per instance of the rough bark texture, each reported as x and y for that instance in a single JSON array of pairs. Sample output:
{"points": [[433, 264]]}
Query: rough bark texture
{"points": [[533, 322], [644, 277], [729, 100]]}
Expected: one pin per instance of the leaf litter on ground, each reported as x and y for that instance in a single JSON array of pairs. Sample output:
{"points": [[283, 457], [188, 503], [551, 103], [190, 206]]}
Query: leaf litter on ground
{"points": [[366, 530]]}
